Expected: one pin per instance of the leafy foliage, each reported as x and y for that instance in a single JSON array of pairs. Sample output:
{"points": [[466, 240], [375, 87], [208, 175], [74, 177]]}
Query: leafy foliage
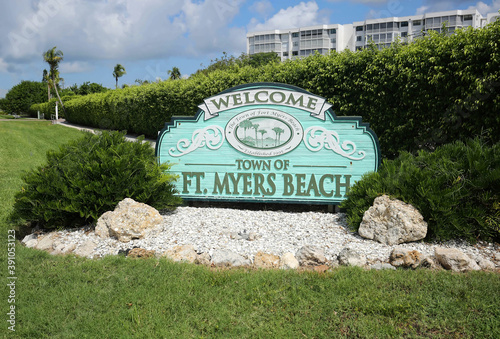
{"points": [[49, 108], [456, 188], [118, 72], [88, 88], [418, 96], [20, 97], [88, 177]]}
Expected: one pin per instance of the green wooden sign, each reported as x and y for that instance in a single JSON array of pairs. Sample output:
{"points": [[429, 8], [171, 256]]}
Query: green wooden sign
{"points": [[267, 142]]}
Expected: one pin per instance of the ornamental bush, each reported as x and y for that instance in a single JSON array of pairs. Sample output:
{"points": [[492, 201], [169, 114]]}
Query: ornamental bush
{"points": [[88, 177], [456, 188], [415, 96]]}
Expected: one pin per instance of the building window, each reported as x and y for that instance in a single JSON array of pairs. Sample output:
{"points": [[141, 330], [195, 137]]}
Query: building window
{"points": [[295, 43], [376, 26], [359, 29], [295, 34], [417, 22], [369, 27], [390, 24], [295, 53], [404, 34], [404, 24], [468, 17], [333, 31], [285, 54], [359, 38]]}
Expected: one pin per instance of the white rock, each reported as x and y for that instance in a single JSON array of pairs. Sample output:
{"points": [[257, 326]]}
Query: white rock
{"points": [[486, 264], [29, 238], [350, 257], [229, 258], [382, 266], [311, 256], [288, 261], [184, 253], [46, 242], [392, 222], [86, 249], [405, 257], [130, 220], [455, 260]]}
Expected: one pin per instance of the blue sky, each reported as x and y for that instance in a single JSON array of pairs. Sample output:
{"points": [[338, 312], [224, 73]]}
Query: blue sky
{"points": [[149, 37]]}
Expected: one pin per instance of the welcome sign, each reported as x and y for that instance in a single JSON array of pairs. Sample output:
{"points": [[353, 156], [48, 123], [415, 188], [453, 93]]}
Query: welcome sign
{"points": [[267, 142]]}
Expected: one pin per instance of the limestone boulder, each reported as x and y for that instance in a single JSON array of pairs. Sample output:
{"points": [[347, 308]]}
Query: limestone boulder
{"points": [[311, 256], [382, 266], [86, 249], [227, 258], [140, 253], [130, 220], [392, 222], [265, 260], [350, 257], [203, 259], [455, 260], [182, 253], [403, 257], [288, 262]]}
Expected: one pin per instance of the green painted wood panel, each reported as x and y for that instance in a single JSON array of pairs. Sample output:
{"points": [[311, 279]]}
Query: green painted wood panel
{"points": [[267, 142]]}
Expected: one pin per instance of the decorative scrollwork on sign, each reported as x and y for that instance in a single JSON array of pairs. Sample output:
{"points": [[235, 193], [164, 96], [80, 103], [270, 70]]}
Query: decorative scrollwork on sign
{"points": [[317, 138], [210, 136]]}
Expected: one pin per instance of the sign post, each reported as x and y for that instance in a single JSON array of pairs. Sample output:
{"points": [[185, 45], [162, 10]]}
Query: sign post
{"points": [[267, 142]]}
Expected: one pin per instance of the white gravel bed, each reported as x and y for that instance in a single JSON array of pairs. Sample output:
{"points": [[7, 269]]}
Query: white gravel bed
{"points": [[275, 232]]}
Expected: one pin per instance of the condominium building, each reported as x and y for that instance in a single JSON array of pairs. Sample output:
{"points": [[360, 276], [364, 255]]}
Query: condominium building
{"points": [[301, 42]]}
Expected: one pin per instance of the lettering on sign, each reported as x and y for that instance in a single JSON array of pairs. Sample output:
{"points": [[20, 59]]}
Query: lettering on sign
{"points": [[267, 142]]}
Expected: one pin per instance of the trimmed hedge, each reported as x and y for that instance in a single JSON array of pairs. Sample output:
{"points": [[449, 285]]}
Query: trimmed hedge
{"points": [[49, 108], [417, 96], [456, 188]]}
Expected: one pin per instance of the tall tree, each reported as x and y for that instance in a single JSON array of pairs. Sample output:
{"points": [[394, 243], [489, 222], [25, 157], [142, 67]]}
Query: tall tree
{"points": [[46, 80], [53, 57], [118, 72], [174, 73]]}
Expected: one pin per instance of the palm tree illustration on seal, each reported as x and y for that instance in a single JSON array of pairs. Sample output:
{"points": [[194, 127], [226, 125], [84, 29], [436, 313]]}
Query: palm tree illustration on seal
{"points": [[245, 124], [278, 132], [262, 132]]}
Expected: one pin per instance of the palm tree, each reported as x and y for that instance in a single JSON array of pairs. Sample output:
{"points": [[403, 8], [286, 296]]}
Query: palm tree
{"points": [[262, 132], [46, 79], [278, 132], [53, 57], [246, 124], [256, 128], [174, 73], [118, 72]]}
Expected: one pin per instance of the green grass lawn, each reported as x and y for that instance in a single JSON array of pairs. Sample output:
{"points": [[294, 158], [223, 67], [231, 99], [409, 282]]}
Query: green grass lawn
{"points": [[117, 297]]}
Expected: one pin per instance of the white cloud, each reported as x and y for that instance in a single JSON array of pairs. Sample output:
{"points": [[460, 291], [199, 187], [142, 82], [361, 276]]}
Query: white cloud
{"points": [[301, 15], [485, 9], [3, 65], [75, 67], [373, 2], [119, 29], [3, 92], [263, 8], [445, 5]]}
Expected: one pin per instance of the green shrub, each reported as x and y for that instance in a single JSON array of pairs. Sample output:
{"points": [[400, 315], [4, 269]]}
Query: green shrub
{"points": [[456, 188], [418, 96], [90, 176], [49, 108], [20, 97]]}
